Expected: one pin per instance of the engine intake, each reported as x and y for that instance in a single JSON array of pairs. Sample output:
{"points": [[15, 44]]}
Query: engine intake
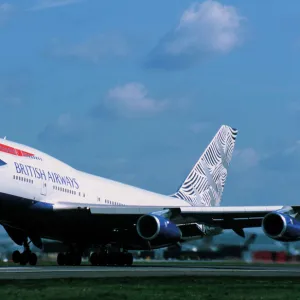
{"points": [[281, 227], [154, 227]]}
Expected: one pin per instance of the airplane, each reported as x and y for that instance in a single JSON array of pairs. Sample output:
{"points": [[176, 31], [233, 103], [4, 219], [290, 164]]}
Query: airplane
{"points": [[42, 197]]}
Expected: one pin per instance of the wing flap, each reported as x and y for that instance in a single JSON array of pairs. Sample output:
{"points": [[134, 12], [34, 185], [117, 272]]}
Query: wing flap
{"points": [[227, 217]]}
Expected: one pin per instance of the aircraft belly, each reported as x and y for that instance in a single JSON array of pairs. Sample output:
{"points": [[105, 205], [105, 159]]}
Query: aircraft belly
{"points": [[38, 219], [76, 226]]}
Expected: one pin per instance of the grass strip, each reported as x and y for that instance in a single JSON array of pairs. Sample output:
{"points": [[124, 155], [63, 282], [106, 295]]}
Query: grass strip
{"points": [[152, 288]]}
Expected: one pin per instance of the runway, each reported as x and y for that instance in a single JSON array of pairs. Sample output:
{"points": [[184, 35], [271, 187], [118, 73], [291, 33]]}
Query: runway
{"points": [[50, 272]]}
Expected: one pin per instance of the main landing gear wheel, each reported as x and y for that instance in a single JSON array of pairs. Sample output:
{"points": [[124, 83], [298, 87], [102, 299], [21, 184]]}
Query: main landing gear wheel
{"points": [[32, 259], [24, 258], [69, 259], [111, 259], [16, 257]]}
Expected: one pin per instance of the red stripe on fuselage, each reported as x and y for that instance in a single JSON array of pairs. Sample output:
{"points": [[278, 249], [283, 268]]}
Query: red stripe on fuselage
{"points": [[14, 151]]}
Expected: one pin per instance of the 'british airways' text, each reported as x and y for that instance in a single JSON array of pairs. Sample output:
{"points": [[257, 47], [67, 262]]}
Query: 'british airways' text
{"points": [[44, 175]]}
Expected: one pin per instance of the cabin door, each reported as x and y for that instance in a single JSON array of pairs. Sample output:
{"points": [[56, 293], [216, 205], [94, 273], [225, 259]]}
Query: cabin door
{"points": [[44, 188]]}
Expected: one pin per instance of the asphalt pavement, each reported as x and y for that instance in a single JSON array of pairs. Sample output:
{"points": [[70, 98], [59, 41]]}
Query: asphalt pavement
{"points": [[47, 272]]}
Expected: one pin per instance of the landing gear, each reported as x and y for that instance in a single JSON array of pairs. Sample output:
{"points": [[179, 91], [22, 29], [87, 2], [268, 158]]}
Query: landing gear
{"points": [[16, 257], [111, 259], [69, 259], [28, 258], [25, 257], [105, 256], [32, 259]]}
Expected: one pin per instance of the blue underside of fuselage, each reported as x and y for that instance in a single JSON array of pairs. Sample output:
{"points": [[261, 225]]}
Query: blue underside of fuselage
{"points": [[80, 227]]}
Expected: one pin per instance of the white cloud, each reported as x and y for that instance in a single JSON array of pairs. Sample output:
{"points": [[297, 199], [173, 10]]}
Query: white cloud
{"points": [[94, 49], [208, 26], [132, 100], [6, 10], [204, 28], [45, 4]]}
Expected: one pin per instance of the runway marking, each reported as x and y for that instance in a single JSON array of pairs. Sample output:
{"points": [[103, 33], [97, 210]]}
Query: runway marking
{"points": [[103, 269], [43, 272]]}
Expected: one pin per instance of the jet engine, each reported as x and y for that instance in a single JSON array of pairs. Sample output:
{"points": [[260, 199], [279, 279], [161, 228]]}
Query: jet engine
{"points": [[281, 227], [158, 229]]}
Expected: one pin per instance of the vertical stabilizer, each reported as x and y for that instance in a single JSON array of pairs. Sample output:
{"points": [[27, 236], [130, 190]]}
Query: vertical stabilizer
{"points": [[205, 183]]}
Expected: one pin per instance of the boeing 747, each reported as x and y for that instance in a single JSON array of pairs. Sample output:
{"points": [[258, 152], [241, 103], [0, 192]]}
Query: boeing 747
{"points": [[43, 198]]}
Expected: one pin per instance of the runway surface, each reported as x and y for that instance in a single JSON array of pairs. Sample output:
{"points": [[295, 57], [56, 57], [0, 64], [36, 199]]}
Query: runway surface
{"points": [[47, 272]]}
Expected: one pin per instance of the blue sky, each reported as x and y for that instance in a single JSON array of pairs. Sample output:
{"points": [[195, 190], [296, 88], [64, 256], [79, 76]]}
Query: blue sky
{"points": [[134, 90]]}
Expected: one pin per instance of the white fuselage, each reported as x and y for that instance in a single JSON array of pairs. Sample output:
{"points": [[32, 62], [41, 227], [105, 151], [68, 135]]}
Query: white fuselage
{"points": [[41, 177]]}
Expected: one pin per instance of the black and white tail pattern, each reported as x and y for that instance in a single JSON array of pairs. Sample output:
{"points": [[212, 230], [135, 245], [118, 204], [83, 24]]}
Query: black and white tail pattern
{"points": [[205, 184]]}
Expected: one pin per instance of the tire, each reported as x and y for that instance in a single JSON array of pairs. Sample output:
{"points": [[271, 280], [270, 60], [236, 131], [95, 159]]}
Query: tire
{"points": [[102, 259], [16, 257], [32, 259], [77, 259], [128, 259], [24, 259], [61, 259], [94, 259]]}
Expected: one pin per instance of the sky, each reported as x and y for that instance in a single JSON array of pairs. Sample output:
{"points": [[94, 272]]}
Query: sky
{"points": [[135, 90]]}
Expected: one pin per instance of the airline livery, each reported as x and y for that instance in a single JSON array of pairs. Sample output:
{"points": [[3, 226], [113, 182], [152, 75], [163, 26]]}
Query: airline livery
{"points": [[44, 198]]}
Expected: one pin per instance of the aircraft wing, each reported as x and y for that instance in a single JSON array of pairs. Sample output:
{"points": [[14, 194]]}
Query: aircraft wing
{"points": [[230, 217]]}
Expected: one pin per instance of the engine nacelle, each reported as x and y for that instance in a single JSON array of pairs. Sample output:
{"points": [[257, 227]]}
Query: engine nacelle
{"points": [[157, 229], [281, 227]]}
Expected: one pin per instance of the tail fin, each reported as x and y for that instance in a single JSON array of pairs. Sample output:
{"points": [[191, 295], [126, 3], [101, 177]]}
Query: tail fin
{"points": [[205, 183]]}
